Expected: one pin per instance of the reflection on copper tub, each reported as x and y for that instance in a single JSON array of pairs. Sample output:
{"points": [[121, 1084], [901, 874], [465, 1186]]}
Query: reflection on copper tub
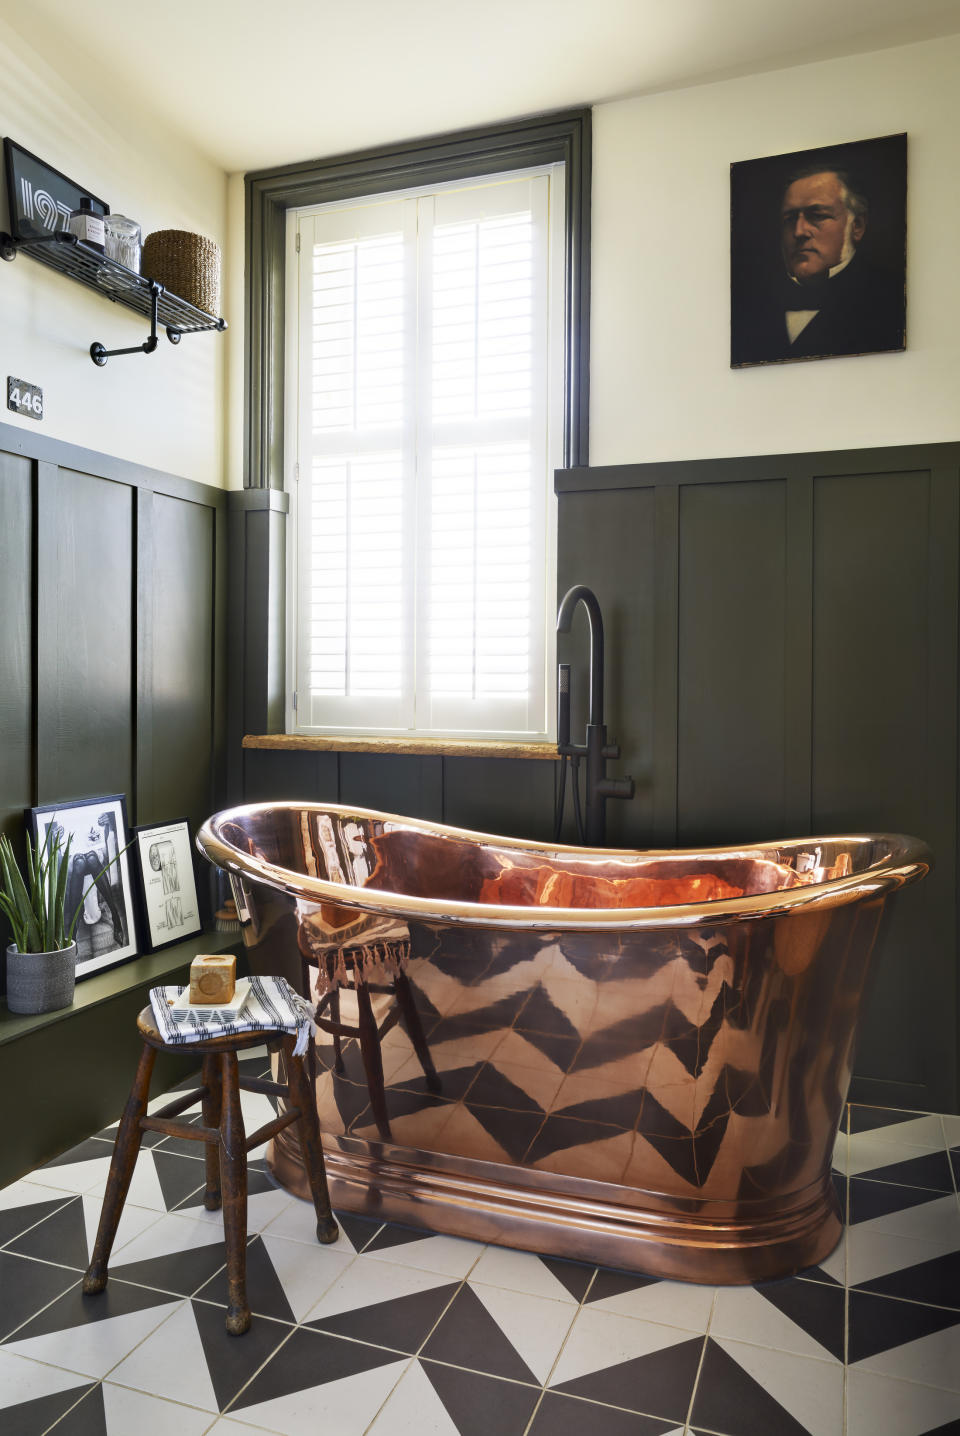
{"points": [[634, 1058]]}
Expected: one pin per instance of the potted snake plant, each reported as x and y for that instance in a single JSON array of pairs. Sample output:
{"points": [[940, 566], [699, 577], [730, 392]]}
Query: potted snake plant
{"points": [[42, 959]]}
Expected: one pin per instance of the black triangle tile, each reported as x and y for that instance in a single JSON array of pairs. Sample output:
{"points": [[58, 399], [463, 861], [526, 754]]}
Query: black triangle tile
{"points": [[879, 1324], [480, 1405], [75, 1309], [265, 1291], [728, 1399], [871, 1119], [561, 1051], [622, 1039], [955, 1164], [15, 1221], [659, 1384], [936, 1282], [951, 1428], [467, 1335], [62, 1238], [358, 1230], [147, 1139], [178, 1176], [567, 1416], [87, 1418], [932, 1171], [402, 1323], [869, 1199], [230, 1360], [454, 1082], [620, 1111], [513, 1130], [573, 1275], [558, 1134], [493, 1089], [176, 1272], [392, 1235], [815, 1307], [88, 1151], [308, 1359], [28, 1286], [33, 1418], [257, 1181], [613, 1283]]}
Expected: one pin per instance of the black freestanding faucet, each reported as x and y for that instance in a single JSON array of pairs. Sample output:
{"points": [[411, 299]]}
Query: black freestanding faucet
{"points": [[596, 750]]}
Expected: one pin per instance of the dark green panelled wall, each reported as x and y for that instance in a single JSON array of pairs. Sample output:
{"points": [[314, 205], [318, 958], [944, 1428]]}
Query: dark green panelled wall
{"points": [[782, 654]]}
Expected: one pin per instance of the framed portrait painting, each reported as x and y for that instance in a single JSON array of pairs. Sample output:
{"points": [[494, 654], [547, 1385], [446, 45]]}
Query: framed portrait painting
{"points": [[818, 253], [168, 891], [98, 877]]}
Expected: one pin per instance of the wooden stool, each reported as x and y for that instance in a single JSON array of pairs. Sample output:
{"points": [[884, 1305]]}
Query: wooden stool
{"points": [[227, 1147]]}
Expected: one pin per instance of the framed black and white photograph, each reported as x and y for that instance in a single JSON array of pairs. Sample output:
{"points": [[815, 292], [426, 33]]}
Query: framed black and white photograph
{"points": [[168, 891], [818, 253], [99, 888]]}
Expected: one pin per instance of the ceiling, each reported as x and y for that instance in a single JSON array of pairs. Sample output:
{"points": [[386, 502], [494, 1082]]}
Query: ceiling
{"points": [[254, 84]]}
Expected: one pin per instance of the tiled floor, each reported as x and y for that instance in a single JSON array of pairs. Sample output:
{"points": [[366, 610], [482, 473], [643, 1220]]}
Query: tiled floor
{"points": [[398, 1333]]}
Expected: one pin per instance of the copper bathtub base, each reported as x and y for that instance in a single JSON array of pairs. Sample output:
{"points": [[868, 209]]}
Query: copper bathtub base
{"points": [[563, 1222]]}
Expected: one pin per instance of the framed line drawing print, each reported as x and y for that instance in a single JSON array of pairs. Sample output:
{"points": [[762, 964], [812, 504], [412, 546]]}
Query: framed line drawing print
{"points": [[168, 891]]}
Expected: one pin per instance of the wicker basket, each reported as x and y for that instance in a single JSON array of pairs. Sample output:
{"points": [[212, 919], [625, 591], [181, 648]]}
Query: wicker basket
{"points": [[187, 264]]}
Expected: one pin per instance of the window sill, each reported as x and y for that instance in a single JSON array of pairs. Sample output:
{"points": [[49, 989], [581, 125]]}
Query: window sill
{"points": [[423, 747]]}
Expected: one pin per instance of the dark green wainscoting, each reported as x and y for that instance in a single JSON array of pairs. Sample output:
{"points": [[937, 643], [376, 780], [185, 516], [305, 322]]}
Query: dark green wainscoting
{"points": [[112, 680]]}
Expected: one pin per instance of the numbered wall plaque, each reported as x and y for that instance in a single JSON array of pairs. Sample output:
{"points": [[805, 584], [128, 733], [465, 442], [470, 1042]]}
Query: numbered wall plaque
{"points": [[24, 398]]}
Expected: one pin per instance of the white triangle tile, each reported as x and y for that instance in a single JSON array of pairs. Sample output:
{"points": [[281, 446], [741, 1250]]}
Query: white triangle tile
{"points": [[534, 1326], [263, 1208], [933, 1360], [78, 1177], [520, 1271], [171, 1359], [812, 1391], [297, 1222], [25, 1380], [414, 1409], [131, 1411], [27, 1194], [877, 1404], [873, 1254], [937, 1221], [951, 1128], [923, 1130], [368, 1280], [449, 1256], [145, 1189], [228, 1427], [867, 1151], [133, 1221], [601, 1338], [305, 1273], [675, 1303], [744, 1315], [172, 1233], [835, 1265], [346, 1407], [94, 1348]]}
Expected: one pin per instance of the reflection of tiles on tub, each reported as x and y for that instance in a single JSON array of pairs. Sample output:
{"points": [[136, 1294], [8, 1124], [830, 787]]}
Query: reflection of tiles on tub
{"points": [[560, 1010], [499, 1014], [534, 1049], [603, 1157], [539, 1083]]}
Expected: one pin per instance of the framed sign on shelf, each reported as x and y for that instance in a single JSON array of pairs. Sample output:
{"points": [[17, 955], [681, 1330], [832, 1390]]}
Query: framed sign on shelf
{"points": [[168, 890], [98, 877]]}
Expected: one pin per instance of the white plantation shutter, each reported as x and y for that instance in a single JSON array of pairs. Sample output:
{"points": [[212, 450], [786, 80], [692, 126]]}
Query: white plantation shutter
{"points": [[422, 511]]}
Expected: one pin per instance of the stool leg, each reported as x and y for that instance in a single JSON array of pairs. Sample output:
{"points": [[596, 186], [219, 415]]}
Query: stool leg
{"points": [[411, 1021], [303, 1095], [335, 1017], [212, 1111], [233, 1176], [124, 1159], [372, 1061]]}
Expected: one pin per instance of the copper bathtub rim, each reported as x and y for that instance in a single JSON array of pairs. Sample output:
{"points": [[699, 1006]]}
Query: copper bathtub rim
{"points": [[907, 858]]}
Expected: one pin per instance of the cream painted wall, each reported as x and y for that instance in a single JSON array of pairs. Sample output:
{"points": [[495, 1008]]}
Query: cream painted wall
{"points": [[166, 409], [661, 385]]}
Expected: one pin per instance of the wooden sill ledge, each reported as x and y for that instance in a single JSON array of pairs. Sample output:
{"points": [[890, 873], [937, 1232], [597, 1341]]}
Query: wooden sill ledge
{"points": [[423, 747]]}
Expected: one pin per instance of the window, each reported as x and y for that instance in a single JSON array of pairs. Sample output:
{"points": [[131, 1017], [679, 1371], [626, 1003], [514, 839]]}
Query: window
{"points": [[428, 351], [398, 171]]}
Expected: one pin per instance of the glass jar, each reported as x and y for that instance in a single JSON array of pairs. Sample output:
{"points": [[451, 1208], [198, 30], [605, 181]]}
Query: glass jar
{"points": [[122, 240]]}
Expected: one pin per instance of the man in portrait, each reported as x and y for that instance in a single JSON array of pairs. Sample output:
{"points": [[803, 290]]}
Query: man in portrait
{"points": [[827, 294]]}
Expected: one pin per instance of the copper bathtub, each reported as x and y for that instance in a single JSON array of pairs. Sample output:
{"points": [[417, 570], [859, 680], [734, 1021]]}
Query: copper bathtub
{"points": [[634, 1058]]}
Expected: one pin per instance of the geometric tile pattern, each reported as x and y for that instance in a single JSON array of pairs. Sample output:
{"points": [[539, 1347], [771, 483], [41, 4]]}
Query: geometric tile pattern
{"points": [[393, 1331]]}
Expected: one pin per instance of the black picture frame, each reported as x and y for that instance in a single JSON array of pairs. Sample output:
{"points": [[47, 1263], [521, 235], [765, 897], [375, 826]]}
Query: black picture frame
{"points": [[106, 929], [833, 285], [166, 883], [29, 177]]}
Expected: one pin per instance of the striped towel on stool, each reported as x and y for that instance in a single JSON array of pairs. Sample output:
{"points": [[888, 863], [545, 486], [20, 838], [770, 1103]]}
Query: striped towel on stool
{"points": [[272, 1006]]}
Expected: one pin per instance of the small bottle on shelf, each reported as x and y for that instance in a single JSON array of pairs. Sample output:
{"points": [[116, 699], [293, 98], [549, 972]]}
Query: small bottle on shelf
{"points": [[87, 225]]}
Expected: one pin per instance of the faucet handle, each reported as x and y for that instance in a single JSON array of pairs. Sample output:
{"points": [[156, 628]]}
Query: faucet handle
{"points": [[616, 787], [610, 750]]}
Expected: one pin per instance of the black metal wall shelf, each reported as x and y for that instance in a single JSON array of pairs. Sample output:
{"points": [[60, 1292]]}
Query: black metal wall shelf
{"points": [[67, 254]]}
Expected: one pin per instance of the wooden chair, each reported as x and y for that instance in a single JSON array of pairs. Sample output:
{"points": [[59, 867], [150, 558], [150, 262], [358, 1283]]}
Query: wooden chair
{"points": [[226, 1146]]}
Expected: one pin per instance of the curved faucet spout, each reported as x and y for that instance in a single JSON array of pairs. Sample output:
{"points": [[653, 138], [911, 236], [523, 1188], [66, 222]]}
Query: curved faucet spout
{"points": [[581, 594]]}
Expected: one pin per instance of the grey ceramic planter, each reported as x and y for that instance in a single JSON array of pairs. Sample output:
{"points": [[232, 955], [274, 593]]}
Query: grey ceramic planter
{"points": [[40, 981]]}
